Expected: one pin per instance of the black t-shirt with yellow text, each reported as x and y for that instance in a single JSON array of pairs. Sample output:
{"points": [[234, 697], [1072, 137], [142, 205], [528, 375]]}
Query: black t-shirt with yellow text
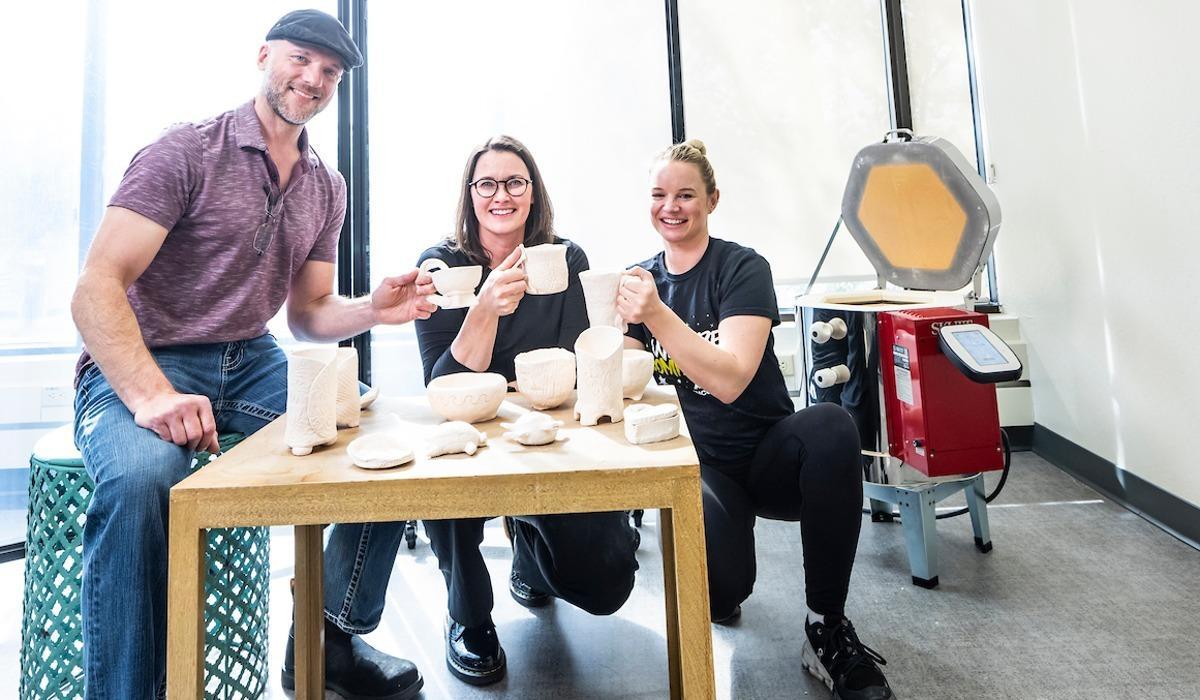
{"points": [[729, 280]]}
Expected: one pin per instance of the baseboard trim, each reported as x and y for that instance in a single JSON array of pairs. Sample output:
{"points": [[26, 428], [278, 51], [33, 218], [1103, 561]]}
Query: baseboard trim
{"points": [[1020, 437], [1176, 516]]}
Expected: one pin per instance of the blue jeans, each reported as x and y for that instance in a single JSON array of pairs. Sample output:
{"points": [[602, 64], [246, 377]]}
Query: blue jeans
{"points": [[124, 590]]}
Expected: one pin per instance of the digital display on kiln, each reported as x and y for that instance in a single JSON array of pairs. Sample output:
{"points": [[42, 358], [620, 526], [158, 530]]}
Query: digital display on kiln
{"points": [[982, 351]]}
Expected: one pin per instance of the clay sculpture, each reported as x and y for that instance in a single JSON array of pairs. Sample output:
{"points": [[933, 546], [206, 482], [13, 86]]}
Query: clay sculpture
{"points": [[546, 376], [379, 451], [349, 403], [646, 424], [598, 354], [471, 397], [637, 366], [533, 428], [311, 399], [453, 437]]}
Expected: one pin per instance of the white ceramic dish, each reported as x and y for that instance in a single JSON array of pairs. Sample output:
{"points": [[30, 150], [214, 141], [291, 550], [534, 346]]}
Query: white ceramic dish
{"points": [[471, 397]]}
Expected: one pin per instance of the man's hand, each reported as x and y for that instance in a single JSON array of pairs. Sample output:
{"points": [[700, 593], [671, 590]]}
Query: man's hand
{"points": [[184, 419], [637, 297], [403, 298], [504, 288]]}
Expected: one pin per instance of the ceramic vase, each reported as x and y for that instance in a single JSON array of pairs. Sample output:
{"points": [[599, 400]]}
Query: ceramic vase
{"points": [[311, 399], [349, 403], [598, 356]]}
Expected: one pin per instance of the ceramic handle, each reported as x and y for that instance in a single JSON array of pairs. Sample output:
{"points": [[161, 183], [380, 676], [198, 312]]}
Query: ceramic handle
{"points": [[433, 264]]}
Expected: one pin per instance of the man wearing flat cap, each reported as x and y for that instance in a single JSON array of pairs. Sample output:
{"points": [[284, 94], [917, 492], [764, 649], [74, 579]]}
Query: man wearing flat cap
{"points": [[213, 227]]}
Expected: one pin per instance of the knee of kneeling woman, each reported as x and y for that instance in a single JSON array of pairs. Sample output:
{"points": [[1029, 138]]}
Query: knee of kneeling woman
{"points": [[723, 603], [838, 443], [610, 599]]}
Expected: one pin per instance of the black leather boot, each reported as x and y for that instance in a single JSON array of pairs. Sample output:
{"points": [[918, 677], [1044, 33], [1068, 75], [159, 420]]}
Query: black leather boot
{"points": [[474, 654], [356, 670]]}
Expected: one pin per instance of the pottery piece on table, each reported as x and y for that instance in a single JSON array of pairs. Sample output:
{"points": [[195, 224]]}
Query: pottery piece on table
{"points": [[455, 285], [600, 298], [379, 451], [533, 428], [471, 397], [368, 398], [311, 399], [645, 424], [546, 268], [453, 437], [349, 403], [598, 355], [546, 376], [637, 366]]}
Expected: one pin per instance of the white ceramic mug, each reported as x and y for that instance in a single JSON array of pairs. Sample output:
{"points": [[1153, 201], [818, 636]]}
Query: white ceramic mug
{"points": [[455, 285], [545, 268], [600, 297]]}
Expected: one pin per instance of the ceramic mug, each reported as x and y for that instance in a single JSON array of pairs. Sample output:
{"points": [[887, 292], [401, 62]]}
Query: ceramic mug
{"points": [[600, 298], [545, 268], [455, 285]]}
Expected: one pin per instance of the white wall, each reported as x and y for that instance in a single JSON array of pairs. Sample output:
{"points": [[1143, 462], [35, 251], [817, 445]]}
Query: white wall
{"points": [[1091, 111]]}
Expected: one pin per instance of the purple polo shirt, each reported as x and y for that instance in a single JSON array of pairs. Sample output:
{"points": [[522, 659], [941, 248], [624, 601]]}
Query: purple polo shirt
{"points": [[210, 185]]}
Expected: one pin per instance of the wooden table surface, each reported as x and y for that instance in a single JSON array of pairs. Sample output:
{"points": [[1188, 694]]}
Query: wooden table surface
{"points": [[593, 469]]}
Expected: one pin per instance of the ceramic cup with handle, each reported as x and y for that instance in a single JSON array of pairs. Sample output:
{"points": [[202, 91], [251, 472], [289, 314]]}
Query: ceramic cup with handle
{"points": [[545, 268], [455, 285]]}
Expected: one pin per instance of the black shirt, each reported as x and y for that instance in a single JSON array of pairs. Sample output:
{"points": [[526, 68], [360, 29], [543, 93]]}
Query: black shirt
{"points": [[540, 321], [729, 280]]}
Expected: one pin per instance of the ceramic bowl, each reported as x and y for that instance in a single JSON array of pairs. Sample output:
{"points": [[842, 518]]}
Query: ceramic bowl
{"points": [[470, 397], [637, 366], [546, 377]]}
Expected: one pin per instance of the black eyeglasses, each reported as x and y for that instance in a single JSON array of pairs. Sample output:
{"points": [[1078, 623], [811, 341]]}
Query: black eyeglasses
{"points": [[266, 230], [487, 186]]}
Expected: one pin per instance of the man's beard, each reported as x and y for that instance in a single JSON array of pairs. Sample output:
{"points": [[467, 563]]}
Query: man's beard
{"points": [[275, 98]]}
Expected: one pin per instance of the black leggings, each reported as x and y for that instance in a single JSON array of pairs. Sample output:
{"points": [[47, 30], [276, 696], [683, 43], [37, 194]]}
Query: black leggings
{"points": [[806, 468]]}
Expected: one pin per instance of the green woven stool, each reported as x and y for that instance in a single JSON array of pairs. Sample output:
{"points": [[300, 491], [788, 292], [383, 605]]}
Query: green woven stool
{"points": [[236, 586]]}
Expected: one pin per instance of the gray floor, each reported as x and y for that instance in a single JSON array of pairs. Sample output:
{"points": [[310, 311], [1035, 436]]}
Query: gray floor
{"points": [[1079, 599]]}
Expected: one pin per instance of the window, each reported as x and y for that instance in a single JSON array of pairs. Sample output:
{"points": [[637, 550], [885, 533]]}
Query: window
{"points": [[114, 76], [784, 95], [583, 85]]}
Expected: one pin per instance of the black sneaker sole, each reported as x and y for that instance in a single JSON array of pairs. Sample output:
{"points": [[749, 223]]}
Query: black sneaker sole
{"points": [[288, 680], [472, 677]]}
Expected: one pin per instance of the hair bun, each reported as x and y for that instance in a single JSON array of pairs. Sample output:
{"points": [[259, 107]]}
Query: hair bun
{"points": [[698, 145]]}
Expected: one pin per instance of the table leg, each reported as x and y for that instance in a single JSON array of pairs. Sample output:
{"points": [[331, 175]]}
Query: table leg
{"points": [[309, 614], [666, 541], [185, 638], [691, 598]]}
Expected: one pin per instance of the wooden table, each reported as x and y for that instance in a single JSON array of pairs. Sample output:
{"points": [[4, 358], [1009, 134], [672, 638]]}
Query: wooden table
{"points": [[260, 482]]}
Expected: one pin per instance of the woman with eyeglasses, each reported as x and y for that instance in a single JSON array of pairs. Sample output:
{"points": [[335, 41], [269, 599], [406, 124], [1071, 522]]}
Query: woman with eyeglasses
{"points": [[705, 308], [585, 559]]}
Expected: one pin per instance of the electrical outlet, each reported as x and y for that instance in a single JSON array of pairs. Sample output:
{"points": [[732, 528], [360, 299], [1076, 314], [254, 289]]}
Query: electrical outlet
{"points": [[787, 364], [57, 396]]}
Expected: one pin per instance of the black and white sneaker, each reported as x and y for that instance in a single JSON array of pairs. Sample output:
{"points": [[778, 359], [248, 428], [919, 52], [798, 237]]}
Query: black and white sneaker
{"points": [[833, 653]]}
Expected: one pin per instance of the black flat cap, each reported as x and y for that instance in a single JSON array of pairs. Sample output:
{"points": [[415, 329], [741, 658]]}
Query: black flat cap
{"points": [[317, 28]]}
